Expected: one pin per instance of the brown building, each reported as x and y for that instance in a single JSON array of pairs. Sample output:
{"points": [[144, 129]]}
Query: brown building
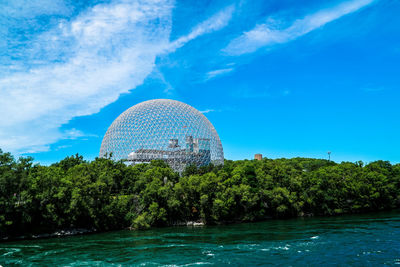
{"points": [[258, 156]]}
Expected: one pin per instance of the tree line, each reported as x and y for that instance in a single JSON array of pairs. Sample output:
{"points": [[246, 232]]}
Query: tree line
{"points": [[105, 195]]}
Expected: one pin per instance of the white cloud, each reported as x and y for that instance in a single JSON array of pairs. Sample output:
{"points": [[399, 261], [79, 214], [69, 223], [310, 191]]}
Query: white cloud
{"points": [[265, 35], [214, 23], [112, 48], [84, 65], [30, 9], [75, 134], [62, 147], [215, 73], [207, 111]]}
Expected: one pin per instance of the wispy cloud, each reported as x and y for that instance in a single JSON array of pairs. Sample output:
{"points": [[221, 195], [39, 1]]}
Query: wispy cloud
{"points": [[30, 9], [111, 49], [266, 34], [214, 23], [75, 134], [212, 74], [85, 64], [207, 111], [62, 147]]}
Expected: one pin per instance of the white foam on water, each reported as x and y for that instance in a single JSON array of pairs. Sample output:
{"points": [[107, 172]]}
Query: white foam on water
{"points": [[175, 245], [247, 246], [207, 252], [197, 263], [282, 247], [315, 237], [11, 251], [285, 247], [27, 246], [188, 264]]}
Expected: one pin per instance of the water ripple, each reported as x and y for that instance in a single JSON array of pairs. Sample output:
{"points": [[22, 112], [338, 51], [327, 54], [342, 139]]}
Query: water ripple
{"points": [[348, 240]]}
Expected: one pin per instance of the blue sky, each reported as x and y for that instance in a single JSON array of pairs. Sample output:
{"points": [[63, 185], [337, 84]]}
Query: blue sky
{"points": [[283, 78]]}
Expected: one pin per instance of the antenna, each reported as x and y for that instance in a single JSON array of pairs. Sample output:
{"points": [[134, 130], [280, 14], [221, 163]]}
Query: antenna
{"points": [[329, 156]]}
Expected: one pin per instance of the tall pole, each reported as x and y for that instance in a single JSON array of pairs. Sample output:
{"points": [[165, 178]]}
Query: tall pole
{"points": [[329, 156]]}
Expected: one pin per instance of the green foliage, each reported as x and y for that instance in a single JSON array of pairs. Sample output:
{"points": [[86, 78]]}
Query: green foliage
{"points": [[105, 195]]}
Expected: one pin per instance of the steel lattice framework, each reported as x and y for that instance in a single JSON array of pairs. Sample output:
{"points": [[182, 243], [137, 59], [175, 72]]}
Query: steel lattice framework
{"points": [[163, 129]]}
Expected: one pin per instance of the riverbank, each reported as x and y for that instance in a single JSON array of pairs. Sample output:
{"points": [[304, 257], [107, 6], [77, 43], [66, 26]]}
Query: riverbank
{"points": [[190, 224], [81, 231], [58, 233]]}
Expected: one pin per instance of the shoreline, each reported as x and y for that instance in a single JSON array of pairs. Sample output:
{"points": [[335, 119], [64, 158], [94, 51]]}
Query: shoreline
{"points": [[82, 231], [57, 233]]}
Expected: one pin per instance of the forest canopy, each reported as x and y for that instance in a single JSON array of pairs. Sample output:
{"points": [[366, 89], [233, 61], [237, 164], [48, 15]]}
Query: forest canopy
{"points": [[105, 195]]}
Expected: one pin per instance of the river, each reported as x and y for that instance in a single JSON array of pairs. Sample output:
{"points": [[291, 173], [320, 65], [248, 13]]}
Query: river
{"points": [[356, 240]]}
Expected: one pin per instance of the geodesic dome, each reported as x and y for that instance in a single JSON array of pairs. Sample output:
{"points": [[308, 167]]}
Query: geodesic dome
{"points": [[163, 129]]}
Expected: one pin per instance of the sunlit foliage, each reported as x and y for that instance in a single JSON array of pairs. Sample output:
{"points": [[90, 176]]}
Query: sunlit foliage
{"points": [[105, 195]]}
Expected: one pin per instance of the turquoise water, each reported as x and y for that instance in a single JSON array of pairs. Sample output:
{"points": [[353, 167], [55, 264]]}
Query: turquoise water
{"points": [[362, 240]]}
